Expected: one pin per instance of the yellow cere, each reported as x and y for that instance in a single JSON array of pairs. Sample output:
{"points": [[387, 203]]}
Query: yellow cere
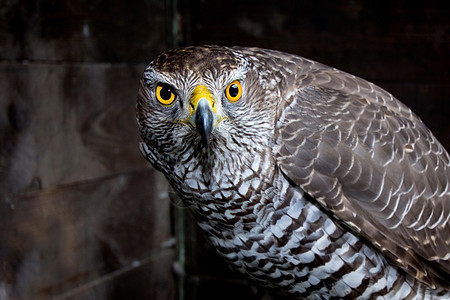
{"points": [[200, 92]]}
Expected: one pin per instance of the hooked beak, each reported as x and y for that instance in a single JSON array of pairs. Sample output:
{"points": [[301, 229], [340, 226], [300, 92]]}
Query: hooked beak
{"points": [[204, 120], [203, 113]]}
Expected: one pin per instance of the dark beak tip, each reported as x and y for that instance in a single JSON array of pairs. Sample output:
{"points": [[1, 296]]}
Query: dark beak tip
{"points": [[204, 121]]}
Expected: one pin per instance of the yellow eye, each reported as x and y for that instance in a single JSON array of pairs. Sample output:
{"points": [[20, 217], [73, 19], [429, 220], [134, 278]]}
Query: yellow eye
{"points": [[234, 91], [165, 94]]}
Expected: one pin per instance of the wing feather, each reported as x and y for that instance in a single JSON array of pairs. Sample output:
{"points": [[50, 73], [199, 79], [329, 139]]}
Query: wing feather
{"points": [[368, 159]]}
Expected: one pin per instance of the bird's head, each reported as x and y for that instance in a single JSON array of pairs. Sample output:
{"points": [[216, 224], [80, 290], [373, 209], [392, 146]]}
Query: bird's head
{"points": [[199, 98]]}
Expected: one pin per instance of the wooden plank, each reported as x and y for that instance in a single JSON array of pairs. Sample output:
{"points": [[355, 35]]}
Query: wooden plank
{"points": [[81, 31], [82, 215], [81, 119], [89, 239]]}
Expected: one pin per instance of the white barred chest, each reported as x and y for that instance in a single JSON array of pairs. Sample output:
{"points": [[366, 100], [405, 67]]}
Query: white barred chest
{"points": [[265, 227]]}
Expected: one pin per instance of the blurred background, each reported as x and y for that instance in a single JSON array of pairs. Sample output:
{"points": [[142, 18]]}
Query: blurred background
{"points": [[82, 214]]}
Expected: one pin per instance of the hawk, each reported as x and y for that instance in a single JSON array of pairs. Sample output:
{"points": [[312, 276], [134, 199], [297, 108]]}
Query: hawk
{"points": [[312, 182]]}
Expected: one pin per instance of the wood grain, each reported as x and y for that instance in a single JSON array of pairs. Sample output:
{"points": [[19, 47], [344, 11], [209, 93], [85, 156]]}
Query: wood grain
{"points": [[87, 238]]}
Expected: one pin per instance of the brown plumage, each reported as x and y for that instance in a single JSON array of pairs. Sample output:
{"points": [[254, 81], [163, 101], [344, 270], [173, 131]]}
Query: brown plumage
{"points": [[310, 168]]}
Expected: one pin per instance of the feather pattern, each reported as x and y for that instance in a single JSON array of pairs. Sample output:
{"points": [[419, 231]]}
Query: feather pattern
{"points": [[377, 167]]}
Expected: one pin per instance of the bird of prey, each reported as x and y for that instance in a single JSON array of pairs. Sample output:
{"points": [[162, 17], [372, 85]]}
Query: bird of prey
{"points": [[312, 182]]}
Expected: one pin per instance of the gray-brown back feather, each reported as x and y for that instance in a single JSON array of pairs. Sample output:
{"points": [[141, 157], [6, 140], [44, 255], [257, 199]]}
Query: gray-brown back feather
{"points": [[368, 159]]}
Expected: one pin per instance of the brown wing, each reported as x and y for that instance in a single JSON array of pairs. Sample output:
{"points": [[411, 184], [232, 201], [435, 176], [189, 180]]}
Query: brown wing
{"points": [[369, 160]]}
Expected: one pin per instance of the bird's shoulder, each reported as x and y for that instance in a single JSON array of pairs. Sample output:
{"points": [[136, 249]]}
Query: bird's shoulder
{"points": [[366, 158]]}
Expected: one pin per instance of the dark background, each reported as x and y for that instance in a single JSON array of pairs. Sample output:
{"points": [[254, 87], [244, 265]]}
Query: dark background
{"points": [[82, 215]]}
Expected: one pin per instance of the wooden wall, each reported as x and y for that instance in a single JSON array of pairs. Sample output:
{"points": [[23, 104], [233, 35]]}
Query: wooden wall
{"points": [[82, 215]]}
